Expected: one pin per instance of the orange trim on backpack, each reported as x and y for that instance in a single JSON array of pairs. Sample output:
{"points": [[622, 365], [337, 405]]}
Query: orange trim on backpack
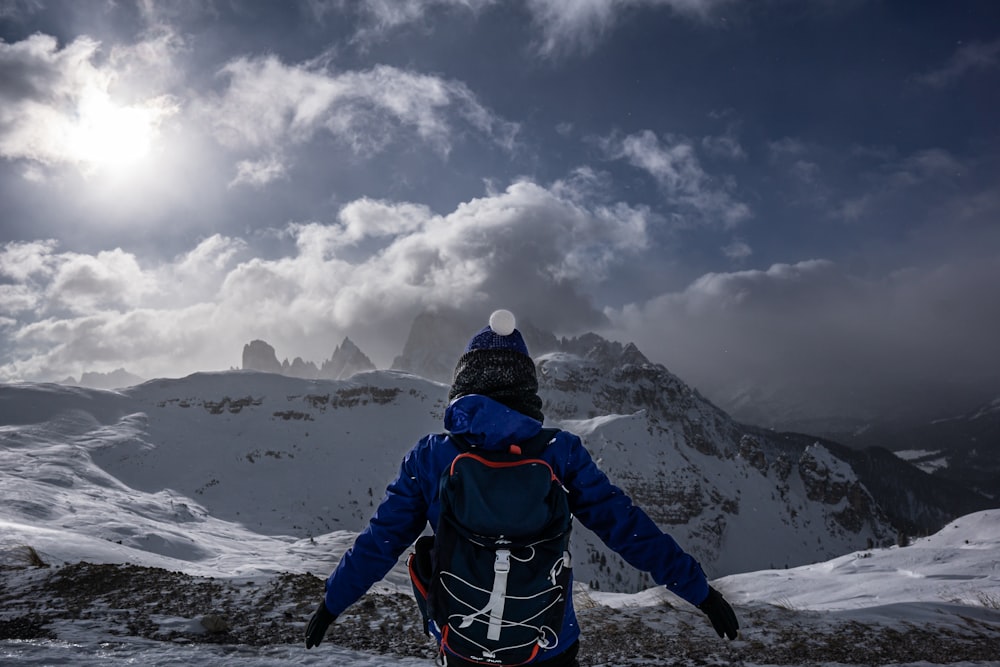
{"points": [[414, 578], [500, 464]]}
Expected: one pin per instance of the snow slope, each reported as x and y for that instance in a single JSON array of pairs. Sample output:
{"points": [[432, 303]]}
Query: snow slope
{"points": [[290, 458]]}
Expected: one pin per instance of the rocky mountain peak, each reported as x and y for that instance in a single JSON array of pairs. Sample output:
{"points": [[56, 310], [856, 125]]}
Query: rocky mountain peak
{"points": [[260, 356], [347, 360]]}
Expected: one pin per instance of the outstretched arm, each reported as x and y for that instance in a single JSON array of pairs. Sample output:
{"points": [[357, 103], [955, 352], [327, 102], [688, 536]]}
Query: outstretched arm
{"points": [[397, 522], [609, 512]]}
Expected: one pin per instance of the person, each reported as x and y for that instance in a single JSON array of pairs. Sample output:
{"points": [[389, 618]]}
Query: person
{"points": [[494, 401]]}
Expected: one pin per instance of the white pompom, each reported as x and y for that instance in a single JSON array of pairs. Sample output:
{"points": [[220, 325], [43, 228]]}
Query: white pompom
{"points": [[502, 322]]}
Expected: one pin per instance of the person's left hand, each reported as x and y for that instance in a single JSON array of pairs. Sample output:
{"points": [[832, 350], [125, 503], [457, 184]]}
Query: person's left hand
{"points": [[318, 623], [720, 613]]}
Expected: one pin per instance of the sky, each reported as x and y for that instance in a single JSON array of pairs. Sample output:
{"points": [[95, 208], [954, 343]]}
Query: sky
{"points": [[795, 201]]}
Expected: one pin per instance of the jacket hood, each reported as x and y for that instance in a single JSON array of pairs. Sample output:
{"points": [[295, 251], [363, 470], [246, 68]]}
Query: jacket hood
{"points": [[484, 422]]}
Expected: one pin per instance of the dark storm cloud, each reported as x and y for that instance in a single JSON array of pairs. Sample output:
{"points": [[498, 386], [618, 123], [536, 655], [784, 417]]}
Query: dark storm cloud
{"points": [[825, 342]]}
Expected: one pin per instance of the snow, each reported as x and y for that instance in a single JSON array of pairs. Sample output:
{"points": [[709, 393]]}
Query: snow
{"points": [[79, 472], [911, 454], [85, 653], [987, 410], [925, 459]]}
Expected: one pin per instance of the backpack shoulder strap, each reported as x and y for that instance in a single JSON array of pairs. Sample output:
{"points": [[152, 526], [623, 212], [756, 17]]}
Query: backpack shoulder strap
{"points": [[534, 446]]}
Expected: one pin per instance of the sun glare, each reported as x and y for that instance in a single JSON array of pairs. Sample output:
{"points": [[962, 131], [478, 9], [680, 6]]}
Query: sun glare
{"points": [[111, 136]]}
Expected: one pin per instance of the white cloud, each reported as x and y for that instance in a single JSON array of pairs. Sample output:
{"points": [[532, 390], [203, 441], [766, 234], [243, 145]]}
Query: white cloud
{"points": [[266, 104], [64, 106], [366, 218], [578, 25], [16, 299], [537, 249], [969, 57], [210, 256], [384, 15], [258, 173], [565, 26], [109, 279], [674, 164], [21, 260]]}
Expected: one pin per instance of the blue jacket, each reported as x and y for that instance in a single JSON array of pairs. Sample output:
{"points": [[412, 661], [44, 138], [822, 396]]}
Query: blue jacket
{"points": [[411, 502]]}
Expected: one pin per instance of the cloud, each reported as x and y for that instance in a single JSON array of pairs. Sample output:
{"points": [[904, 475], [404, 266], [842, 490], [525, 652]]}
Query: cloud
{"points": [[19, 9], [906, 177], [62, 106], [738, 250], [23, 260], [537, 249], [786, 146], [565, 26], [675, 166], [824, 340], [89, 283], [258, 173], [58, 104], [382, 16], [968, 57], [572, 26], [368, 218], [267, 104], [725, 145]]}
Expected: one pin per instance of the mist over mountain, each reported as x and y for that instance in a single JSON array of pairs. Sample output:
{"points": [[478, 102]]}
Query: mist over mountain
{"points": [[347, 359], [437, 338], [963, 448], [113, 380]]}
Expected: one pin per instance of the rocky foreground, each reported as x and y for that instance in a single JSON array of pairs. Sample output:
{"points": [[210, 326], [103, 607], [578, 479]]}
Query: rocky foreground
{"points": [[117, 601]]}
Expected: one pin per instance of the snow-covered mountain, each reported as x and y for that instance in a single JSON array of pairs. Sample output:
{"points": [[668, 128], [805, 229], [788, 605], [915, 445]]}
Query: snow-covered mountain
{"points": [[304, 457], [286, 456], [963, 447], [740, 500], [223, 497]]}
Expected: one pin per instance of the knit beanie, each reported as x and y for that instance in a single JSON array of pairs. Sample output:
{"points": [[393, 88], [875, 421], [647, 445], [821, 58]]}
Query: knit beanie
{"points": [[496, 364]]}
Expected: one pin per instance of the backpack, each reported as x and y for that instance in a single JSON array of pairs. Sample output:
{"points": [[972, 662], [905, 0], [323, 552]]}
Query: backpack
{"points": [[499, 565]]}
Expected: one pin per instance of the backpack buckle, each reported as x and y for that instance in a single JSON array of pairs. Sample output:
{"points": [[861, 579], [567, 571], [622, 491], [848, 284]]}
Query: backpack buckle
{"points": [[502, 563]]}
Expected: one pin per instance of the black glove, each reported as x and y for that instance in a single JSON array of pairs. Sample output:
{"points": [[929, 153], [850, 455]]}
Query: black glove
{"points": [[720, 613], [320, 621]]}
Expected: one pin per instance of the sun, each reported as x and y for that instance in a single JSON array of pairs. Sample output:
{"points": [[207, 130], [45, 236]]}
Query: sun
{"points": [[111, 136]]}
